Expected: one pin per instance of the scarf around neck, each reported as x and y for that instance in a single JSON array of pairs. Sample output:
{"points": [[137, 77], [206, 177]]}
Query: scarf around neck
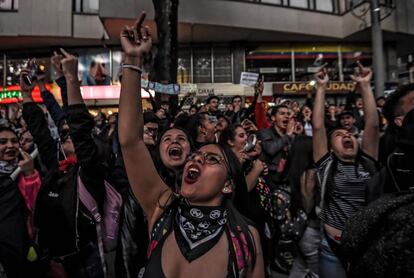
{"points": [[7, 167], [197, 229], [69, 162]]}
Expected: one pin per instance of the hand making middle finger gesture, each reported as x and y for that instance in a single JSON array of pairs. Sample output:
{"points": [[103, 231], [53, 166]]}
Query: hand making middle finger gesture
{"points": [[56, 61], [69, 66], [27, 164], [322, 77], [364, 75], [136, 40], [258, 87]]}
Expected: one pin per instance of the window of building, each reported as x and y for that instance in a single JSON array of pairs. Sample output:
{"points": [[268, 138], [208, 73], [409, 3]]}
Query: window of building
{"points": [[299, 3], [325, 5], [202, 65], [309, 58], [275, 63], [9, 5], [352, 54], [184, 66], [222, 65], [116, 66], [275, 2], [95, 67], [15, 66], [87, 6], [352, 3]]}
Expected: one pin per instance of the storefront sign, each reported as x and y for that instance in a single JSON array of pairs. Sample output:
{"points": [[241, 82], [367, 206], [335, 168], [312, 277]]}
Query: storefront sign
{"points": [[106, 92], [308, 87], [12, 94], [188, 88], [224, 89]]}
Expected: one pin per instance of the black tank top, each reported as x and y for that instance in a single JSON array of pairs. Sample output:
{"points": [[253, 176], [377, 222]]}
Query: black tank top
{"points": [[236, 267]]}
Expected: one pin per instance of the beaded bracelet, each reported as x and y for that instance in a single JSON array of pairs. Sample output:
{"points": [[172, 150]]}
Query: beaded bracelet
{"points": [[129, 66]]}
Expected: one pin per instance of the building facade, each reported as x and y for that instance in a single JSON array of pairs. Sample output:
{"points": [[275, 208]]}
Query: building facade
{"points": [[284, 40]]}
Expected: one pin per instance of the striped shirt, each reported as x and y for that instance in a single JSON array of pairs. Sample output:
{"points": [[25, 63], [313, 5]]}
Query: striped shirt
{"points": [[349, 193]]}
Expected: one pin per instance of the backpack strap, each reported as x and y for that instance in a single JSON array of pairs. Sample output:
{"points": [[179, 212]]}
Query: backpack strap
{"points": [[89, 202], [112, 212]]}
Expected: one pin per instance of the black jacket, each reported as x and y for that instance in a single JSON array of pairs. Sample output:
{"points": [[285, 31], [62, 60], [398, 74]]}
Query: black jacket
{"points": [[13, 230], [57, 207], [274, 149], [133, 230]]}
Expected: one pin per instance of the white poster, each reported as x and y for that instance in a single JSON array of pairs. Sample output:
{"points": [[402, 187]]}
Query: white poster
{"points": [[248, 78]]}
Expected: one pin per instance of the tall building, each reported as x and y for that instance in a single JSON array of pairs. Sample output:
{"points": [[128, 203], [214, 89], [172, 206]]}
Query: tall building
{"points": [[285, 40]]}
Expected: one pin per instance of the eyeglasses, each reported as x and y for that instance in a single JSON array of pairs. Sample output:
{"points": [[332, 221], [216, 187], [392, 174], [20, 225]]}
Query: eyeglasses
{"points": [[208, 158]]}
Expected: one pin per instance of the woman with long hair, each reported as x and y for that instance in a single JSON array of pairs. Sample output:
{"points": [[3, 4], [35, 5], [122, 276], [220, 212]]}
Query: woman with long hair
{"points": [[261, 209], [301, 177], [200, 224]]}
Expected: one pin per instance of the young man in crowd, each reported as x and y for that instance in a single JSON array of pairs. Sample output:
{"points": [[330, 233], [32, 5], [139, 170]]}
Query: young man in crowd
{"points": [[150, 128], [213, 104], [347, 121], [276, 141]]}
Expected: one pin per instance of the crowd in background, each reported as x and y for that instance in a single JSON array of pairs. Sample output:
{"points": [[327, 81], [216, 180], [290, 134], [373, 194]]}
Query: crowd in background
{"points": [[285, 186]]}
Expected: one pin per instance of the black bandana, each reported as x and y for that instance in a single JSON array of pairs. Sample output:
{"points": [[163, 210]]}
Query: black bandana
{"points": [[198, 229]]}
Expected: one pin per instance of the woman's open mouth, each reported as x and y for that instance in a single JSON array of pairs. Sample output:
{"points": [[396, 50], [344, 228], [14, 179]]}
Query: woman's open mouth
{"points": [[192, 174], [175, 153]]}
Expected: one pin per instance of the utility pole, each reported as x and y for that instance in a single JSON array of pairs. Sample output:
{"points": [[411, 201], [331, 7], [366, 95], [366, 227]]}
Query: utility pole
{"points": [[378, 49]]}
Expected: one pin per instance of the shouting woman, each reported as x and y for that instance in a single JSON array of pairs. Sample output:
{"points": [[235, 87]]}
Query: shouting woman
{"points": [[199, 225]]}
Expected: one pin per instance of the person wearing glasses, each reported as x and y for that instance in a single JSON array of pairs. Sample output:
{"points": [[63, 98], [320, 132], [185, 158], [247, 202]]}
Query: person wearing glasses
{"points": [[196, 232]]}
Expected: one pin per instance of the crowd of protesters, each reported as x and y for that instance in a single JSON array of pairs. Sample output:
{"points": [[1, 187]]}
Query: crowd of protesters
{"points": [[307, 189]]}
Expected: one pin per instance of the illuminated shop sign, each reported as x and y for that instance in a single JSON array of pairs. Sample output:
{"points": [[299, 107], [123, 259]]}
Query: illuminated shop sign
{"points": [[12, 94], [308, 87]]}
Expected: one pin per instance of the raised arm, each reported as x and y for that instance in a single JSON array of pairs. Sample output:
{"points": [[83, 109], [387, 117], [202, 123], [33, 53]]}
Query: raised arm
{"points": [[56, 61], [52, 106], [319, 139], [70, 71], [370, 140], [79, 121], [38, 127], [146, 184]]}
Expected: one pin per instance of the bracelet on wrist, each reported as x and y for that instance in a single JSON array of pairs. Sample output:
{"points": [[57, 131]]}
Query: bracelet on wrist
{"points": [[132, 67]]}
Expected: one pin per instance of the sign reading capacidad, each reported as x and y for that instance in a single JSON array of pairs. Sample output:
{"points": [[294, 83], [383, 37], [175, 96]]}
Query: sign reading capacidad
{"points": [[302, 87]]}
